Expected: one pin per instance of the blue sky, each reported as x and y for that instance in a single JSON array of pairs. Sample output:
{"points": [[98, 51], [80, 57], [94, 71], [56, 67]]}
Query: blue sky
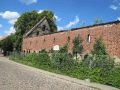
{"points": [[69, 13]]}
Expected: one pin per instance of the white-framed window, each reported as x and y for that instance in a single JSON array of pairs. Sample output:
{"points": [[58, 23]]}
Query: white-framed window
{"points": [[88, 38]]}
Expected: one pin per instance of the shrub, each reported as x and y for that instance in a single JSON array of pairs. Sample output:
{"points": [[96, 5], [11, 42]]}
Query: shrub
{"points": [[113, 79], [102, 61], [99, 63], [77, 46], [32, 57], [99, 48], [61, 60], [44, 58]]}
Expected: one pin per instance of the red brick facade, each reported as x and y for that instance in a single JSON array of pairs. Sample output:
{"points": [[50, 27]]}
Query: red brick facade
{"points": [[109, 32]]}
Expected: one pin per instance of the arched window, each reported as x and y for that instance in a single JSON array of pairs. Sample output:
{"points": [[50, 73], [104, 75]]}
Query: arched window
{"points": [[88, 38]]}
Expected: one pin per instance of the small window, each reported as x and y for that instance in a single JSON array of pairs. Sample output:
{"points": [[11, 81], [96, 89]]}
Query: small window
{"points": [[54, 40], [68, 38], [44, 39], [88, 38], [29, 51], [43, 27]]}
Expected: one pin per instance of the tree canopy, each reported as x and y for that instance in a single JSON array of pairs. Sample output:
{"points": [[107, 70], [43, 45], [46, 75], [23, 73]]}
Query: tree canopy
{"points": [[99, 48], [28, 19], [23, 24]]}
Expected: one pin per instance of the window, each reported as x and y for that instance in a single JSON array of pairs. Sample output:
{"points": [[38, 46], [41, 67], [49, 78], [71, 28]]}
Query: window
{"points": [[44, 39], [43, 27], [88, 38], [68, 38], [54, 40]]}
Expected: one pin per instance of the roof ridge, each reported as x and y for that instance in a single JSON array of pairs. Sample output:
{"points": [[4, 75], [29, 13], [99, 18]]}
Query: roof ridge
{"points": [[35, 26]]}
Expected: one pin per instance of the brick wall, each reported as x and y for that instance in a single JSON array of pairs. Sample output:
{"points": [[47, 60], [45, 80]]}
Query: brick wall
{"points": [[110, 33]]}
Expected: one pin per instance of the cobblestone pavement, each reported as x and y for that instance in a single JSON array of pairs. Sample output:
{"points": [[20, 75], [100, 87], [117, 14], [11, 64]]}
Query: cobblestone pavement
{"points": [[14, 76]]}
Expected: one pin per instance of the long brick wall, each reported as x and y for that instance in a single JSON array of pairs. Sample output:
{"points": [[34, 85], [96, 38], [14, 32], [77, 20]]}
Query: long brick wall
{"points": [[110, 33]]}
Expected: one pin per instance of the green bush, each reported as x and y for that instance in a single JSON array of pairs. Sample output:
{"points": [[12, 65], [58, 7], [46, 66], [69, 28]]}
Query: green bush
{"points": [[44, 58], [113, 78], [62, 61], [16, 56], [95, 61]]}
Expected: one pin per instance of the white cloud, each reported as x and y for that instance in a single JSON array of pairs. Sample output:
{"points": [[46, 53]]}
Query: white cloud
{"points": [[118, 18], [57, 18], [113, 7], [40, 11], [10, 31], [28, 2], [0, 25], [10, 16], [60, 28], [12, 21], [70, 24]]}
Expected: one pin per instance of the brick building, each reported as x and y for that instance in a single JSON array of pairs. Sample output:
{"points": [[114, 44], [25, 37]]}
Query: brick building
{"points": [[34, 41]]}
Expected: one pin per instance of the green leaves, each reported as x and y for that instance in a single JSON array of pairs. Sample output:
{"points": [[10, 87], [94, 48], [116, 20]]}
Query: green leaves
{"points": [[77, 47], [24, 23], [99, 48]]}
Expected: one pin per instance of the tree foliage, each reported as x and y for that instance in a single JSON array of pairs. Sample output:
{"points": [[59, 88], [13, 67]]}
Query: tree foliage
{"points": [[99, 48], [77, 45], [98, 21], [24, 23], [7, 44], [28, 19]]}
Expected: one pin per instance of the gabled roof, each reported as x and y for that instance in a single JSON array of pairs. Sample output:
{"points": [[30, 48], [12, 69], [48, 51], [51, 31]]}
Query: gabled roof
{"points": [[45, 18]]}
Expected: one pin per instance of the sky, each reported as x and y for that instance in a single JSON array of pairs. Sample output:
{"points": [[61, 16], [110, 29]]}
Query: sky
{"points": [[68, 13]]}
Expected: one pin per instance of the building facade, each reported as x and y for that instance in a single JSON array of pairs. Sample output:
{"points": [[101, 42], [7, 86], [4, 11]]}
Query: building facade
{"points": [[109, 32]]}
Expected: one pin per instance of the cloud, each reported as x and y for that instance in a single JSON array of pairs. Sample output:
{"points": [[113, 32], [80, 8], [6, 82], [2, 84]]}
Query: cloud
{"points": [[12, 21], [10, 16], [28, 2], [115, 5], [10, 31], [0, 25], [60, 28], [57, 18], [118, 18], [70, 24], [40, 11]]}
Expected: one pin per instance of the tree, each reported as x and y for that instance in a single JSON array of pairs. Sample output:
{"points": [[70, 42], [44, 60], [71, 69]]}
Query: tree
{"points": [[7, 45], [77, 46], [98, 21], [99, 58], [27, 20], [99, 48]]}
